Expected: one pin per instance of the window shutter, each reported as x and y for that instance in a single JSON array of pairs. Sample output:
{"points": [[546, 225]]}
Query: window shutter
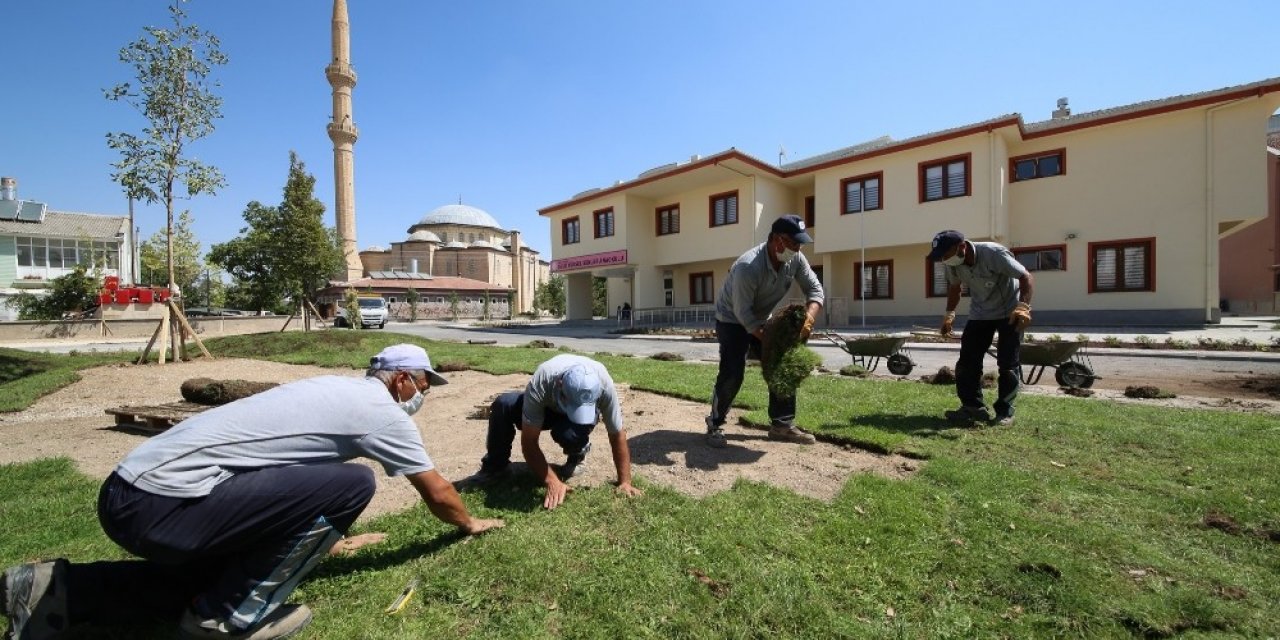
{"points": [[853, 197], [719, 212], [1104, 266], [871, 194], [939, 279], [955, 179], [732, 216], [675, 221], [933, 183], [1135, 267]]}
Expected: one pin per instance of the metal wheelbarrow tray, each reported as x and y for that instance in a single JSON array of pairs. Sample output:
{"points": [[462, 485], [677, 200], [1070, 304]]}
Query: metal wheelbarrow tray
{"points": [[868, 351], [1070, 363]]}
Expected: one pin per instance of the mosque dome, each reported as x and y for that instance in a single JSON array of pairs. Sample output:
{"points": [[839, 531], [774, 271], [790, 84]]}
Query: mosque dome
{"points": [[422, 235], [374, 248], [482, 243], [454, 244], [460, 214]]}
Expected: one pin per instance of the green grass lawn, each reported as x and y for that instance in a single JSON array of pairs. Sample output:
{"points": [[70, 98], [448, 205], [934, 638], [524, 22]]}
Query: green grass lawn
{"points": [[1085, 519]]}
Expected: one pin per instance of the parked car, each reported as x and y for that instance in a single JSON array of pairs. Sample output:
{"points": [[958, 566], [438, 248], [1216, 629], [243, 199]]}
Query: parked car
{"points": [[373, 313]]}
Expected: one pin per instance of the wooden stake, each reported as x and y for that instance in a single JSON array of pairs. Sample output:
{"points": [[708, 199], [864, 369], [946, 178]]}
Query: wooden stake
{"points": [[165, 328], [316, 313], [154, 335], [194, 336]]}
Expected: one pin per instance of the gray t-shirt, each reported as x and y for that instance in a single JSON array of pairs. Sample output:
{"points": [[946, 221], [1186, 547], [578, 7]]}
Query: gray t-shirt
{"points": [[992, 281], [754, 287], [312, 421], [540, 393]]}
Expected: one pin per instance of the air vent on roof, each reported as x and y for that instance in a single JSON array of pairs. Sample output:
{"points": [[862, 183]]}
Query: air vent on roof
{"points": [[1063, 111], [586, 193], [659, 169]]}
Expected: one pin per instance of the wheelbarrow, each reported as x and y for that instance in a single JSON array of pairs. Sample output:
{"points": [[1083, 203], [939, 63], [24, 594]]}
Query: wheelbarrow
{"points": [[1070, 363], [867, 352]]}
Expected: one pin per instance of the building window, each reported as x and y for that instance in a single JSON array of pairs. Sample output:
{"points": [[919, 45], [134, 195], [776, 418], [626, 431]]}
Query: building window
{"points": [[817, 273], [945, 178], [1123, 265], [444, 236], [1045, 164], [724, 209], [668, 221], [603, 222], [701, 288], [571, 231], [875, 281], [861, 193], [1042, 258], [936, 272], [810, 212]]}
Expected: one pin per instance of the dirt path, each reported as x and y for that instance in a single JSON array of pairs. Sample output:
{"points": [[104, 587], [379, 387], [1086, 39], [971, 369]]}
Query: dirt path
{"points": [[665, 433]]}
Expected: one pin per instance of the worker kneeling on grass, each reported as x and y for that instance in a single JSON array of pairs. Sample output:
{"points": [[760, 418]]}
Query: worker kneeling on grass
{"points": [[567, 395], [232, 507]]}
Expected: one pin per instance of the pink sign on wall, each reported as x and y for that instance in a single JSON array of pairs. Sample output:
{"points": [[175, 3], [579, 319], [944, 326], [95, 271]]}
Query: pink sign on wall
{"points": [[605, 259]]}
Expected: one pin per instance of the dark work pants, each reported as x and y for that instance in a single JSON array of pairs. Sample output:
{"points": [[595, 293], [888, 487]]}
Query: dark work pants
{"points": [[235, 554], [505, 416], [974, 343], [734, 341]]}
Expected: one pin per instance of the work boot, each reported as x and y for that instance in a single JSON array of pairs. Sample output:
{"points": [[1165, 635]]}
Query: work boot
{"points": [[486, 476], [968, 415], [715, 434], [790, 433], [1002, 421], [575, 465], [35, 600], [285, 621]]}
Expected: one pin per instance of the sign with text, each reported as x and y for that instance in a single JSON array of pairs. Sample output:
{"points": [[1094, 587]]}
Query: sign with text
{"points": [[606, 259]]}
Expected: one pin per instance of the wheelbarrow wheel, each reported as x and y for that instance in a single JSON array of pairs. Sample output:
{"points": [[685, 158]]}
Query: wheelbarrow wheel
{"points": [[900, 365], [1074, 374]]}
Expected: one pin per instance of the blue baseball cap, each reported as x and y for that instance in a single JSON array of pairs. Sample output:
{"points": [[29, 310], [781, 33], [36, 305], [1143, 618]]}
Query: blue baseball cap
{"points": [[579, 392], [943, 241], [406, 357], [791, 226]]}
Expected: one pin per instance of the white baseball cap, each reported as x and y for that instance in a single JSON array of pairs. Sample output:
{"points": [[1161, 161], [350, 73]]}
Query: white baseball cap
{"points": [[406, 357], [579, 391]]}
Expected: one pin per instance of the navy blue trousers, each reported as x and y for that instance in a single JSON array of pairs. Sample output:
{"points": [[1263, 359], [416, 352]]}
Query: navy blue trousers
{"points": [[974, 343], [235, 554], [734, 342], [505, 416]]}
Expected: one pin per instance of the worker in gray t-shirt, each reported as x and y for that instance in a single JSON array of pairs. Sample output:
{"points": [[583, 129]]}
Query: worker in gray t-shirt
{"points": [[1000, 291], [230, 508], [566, 396]]}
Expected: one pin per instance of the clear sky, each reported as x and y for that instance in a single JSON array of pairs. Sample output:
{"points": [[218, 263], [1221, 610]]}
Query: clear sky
{"points": [[520, 104]]}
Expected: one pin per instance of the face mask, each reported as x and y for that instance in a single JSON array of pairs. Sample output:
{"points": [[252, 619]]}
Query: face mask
{"points": [[954, 261], [412, 405], [786, 255]]}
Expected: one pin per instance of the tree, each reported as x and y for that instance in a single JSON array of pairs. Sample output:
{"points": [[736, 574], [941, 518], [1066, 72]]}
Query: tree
{"points": [[181, 246], [209, 289], [351, 305], [599, 296], [550, 296], [412, 297], [454, 309], [175, 95], [72, 293], [285, 251]]}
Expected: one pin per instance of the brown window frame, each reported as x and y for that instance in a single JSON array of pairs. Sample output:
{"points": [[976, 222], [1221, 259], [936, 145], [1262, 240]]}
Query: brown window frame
{"points": [[857, 279], [844, 184], [1149, 266], [1062, 164], [710, 277], [596, 216], [1061, 248], [673, 227], [966, 158], [810, 212], [564, 230], [929, 266], [711, 208]]}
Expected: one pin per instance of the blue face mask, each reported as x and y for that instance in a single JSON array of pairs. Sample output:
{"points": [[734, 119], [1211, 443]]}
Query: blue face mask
{"points": [[412, 405]]}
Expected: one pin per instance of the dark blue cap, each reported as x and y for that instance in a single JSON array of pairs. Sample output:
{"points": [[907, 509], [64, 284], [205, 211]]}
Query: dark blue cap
{"points": [[791, 226], [943, 242]]}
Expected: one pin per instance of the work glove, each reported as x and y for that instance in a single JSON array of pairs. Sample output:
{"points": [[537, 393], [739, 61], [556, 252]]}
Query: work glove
{"points": [[1020, 317], [807, 328], [947, 321]]}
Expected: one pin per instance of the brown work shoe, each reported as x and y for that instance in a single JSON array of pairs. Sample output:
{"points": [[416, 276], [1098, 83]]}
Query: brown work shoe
{"points": [[34, 596], [285, 621], [715, 439], [790, 433]]}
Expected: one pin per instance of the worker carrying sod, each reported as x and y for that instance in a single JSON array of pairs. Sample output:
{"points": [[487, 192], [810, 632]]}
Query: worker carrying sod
{"points": [[1000, 291], [229, 509], [757, 282], [566, 396]]}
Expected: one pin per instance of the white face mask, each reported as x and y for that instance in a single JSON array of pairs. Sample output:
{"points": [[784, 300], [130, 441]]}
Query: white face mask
{"points": [[786, 255], [954, 261], [412, 405]]}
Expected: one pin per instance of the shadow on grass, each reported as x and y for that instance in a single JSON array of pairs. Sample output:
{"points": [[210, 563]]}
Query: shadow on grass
{"points": [[656, 447], [12, 368], [911, 425], [386, 557]]}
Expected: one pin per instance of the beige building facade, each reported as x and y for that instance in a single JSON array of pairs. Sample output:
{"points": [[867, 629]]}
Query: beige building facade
{"points": [[1117, 212]]}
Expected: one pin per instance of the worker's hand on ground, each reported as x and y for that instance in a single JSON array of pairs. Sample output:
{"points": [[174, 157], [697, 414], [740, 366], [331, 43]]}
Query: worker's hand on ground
{"points": [[947, 321], [556, 492], [807, 328], [1020, 317], [479, 525], [350, 544], [759, 333], [628, 490]]}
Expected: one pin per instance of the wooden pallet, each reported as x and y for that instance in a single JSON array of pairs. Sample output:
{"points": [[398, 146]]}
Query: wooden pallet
{"points": [[153, 419]]}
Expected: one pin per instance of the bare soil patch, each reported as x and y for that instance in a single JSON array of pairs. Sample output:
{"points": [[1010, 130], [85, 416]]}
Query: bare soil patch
{"points": [[665, 434]]}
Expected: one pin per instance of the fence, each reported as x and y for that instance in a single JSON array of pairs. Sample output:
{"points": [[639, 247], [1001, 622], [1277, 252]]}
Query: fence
{"points": [[834, 313]]}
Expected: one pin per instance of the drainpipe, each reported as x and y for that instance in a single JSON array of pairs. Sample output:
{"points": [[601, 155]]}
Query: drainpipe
{"points": [[991, 194], [1210, 214]]}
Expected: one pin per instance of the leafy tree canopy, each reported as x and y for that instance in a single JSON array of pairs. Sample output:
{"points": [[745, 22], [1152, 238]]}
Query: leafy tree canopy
{"points": [[72, 293], [187, 267]]}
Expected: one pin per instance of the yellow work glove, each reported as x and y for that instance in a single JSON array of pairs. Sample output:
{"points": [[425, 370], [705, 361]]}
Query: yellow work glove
{"points": [[1020, 317], [807, 328], [947, 321]]}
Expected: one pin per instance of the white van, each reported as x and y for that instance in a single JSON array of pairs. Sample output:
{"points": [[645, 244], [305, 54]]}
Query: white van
{"points": [[373, 313]]}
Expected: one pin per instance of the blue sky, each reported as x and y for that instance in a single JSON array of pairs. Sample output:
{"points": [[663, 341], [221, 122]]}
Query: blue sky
{"points": [[517, 105]]}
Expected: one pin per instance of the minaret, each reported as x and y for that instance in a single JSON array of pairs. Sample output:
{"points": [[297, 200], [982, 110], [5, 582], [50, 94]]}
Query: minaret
{"points": [[343, 133]]}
